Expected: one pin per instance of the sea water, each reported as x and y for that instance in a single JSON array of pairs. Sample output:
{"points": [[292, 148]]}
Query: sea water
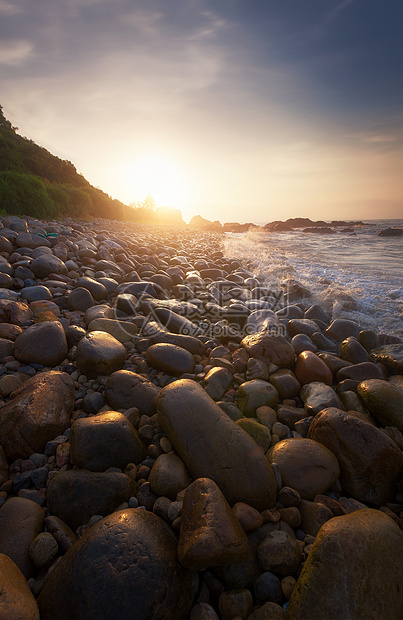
{"points": [[335, 267]]}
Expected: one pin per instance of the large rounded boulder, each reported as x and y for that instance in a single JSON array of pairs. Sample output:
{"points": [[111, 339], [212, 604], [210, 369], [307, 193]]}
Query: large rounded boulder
{"points": [[99, 353], [354, 570], [212, 446], [125, 567], [43, 343]]}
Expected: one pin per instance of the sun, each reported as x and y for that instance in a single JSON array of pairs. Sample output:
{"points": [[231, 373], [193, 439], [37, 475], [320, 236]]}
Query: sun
{"points": [[159, 175]]}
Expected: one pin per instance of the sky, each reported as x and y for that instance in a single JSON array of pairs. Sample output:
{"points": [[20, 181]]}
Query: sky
{"points": [[237, 110]]}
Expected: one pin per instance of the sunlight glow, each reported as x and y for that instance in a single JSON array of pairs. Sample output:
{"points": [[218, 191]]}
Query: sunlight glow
{"points": [[161, 176]]}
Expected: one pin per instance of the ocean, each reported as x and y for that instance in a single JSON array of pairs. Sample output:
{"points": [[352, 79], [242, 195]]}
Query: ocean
{"points": [[355, 275]]}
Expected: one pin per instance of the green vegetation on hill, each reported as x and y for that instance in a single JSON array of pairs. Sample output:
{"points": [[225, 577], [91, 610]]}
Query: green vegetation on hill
{"points": [[35, 182]]}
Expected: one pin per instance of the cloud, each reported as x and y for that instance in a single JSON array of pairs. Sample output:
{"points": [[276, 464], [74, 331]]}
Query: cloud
{"points": [[14, 52], [7, 8]]}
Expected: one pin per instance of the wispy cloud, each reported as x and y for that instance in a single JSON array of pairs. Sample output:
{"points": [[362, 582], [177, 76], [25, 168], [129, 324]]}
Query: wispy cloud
{"points": [[8, 8], [14, 52]]}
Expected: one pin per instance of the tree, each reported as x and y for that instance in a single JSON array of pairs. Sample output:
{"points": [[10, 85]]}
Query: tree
{"points": [[148, 203]]}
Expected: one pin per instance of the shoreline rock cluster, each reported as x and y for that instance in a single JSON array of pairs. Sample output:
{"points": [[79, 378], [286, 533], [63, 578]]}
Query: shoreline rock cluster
{"points": [[178, 441]]}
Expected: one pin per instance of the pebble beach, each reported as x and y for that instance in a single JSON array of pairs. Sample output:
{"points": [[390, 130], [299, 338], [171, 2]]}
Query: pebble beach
{"points": [[178, 440]]}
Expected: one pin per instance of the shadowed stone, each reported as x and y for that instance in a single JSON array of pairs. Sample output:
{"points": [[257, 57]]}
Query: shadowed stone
{"points": [[354, 570], [124, 567], [210, 534], [16, 601], [33, 417]]}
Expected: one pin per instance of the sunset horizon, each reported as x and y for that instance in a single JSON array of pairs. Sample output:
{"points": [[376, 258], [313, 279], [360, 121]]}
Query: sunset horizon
{"points": [[230, 113]]}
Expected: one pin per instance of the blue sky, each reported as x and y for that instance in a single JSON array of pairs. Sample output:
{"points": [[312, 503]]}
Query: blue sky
{"points": [[247, 111]]}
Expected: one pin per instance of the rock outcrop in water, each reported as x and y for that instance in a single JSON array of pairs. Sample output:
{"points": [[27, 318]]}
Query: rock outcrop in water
{"points": [[177, 440]]}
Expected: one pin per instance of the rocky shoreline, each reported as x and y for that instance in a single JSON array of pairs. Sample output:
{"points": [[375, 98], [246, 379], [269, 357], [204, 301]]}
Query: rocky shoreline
{"points": [[177, 441]]}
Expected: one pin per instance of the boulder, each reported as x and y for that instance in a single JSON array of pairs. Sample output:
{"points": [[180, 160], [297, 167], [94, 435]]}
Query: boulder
{"points": [[340, 329], [369, 460], [17, 601], [21, 520], [254, 394], [213, 446], [270, 349], [317, 396], [309, 368], [105, 440], [305, 465], [168, 476], [125, 389], [42, 343], [170, 358], [76, 495], [391, 355], [47, 264], [125, 566], [384, 400], [99, 353], [32, 418], [354, 570], [210, 534]]}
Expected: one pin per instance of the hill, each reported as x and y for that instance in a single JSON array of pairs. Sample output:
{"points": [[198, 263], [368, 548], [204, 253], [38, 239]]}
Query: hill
{"points": [[35, 182]]}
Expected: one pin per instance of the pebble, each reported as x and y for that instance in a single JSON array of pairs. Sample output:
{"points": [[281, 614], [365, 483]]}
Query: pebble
{"points": [[106, 278]]}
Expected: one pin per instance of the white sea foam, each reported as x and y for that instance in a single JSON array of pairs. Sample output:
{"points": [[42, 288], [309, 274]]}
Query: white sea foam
{"points": [[339, 269]]}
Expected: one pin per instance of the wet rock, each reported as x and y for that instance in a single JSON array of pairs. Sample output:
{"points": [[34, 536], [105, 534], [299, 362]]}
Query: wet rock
{"points": [[105, 440], [301, 326], [384, 400], [329, 586], [228, 455], [125, 562], [76, 495], [309, 368], [255, 394], [286, 383], [340, 329], [391, 355], [168, 476], [125, 389], [210, 534], [99, 353], [360, 372], [352, 351], [270, 349], [318, 396], [257, 431], [301, 342], [369, 460], [20, 522], [171, 359], [31, 418], [17, 601], [43, 343], [306, 466]]}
